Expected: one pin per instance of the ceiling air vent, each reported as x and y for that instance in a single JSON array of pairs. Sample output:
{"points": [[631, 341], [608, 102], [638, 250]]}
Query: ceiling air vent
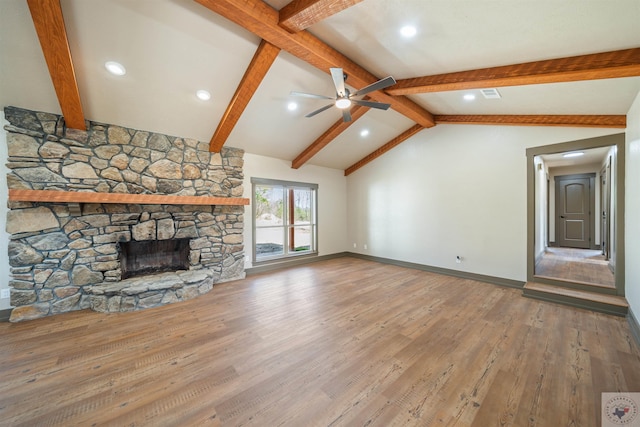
{"points": [[490, 93]]}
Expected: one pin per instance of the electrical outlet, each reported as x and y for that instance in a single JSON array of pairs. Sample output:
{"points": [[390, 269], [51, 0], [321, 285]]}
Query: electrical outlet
{"points": [[365, 246], [4, 293], [355, 246], [458, 259]]}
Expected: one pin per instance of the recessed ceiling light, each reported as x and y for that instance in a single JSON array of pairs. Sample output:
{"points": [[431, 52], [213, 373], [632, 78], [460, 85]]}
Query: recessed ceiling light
{"points": [[292, 106], [469, 97], [408, 31], [115, 68], [574, 154], [203, 95], [364, 132]]}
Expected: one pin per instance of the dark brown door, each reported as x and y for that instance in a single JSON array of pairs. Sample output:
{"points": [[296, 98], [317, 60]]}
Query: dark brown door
{"points": [[573, 202]]}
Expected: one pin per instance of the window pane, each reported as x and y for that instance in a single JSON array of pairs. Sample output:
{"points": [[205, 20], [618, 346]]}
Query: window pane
{"points": [[269, 204], [303, 206], [302, 239], [269, 242]]}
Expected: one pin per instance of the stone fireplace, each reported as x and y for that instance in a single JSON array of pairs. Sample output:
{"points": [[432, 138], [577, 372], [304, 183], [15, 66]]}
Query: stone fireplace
{"points": [[71, 256]]}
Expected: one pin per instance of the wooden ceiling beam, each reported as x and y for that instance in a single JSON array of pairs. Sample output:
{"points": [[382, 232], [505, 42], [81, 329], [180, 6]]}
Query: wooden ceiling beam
{"points": [[594, 121], [253, 76], [606, 65], [262, 20], [386, 147], [49, 23], [301, 14], [336, 129]]}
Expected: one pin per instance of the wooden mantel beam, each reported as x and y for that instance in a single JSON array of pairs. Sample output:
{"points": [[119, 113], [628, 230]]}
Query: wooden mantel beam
{"points": [[262, 20], [301, 14], [257, 70], [49, 23], [605, 65], [54, 196], [595, 121]]}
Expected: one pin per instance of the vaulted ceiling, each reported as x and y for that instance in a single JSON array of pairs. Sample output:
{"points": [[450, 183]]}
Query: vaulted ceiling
{"points": [[569, 63]]}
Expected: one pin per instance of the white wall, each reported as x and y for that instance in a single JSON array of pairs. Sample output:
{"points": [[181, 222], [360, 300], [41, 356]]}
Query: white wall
{"points": [[632, 208], [4, 236], [332, 200], [452, 190]]}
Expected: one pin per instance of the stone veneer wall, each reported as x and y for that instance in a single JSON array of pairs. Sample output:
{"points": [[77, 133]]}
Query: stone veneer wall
{"points": [[57, 256]]}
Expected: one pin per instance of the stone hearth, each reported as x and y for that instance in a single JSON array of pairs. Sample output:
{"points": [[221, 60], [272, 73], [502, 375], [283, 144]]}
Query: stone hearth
{"points": [[149, 291], [65, 257]]}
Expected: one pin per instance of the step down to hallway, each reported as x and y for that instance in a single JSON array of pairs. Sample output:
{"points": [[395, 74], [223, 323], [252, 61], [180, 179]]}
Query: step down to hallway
{"points": [[610, 304]]}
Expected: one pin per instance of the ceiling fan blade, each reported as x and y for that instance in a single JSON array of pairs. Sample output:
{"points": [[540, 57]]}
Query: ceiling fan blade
{"points": [[319, 110], [308, 95], [346, 115], [338, 81], [378, 105], [380, 84]]}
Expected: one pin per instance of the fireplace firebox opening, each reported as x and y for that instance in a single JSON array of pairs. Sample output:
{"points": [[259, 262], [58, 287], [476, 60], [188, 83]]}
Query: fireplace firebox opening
{"points": [[153, 256]]}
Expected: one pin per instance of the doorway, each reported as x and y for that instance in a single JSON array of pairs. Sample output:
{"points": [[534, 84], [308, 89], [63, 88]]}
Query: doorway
{"points": [[585, 248]]}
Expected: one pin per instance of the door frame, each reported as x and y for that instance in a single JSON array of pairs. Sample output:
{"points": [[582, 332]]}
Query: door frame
{"points": [[617, 141], [604, 210], [592, 205]]}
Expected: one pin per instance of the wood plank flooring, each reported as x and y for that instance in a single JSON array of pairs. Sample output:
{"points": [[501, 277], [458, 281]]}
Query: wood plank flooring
{"points": [[578, 265], [344, 342]]}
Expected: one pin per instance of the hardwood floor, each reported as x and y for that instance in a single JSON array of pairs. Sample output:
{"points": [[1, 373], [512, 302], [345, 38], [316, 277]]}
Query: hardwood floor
{"points": [[580, 265], [345, 342]]}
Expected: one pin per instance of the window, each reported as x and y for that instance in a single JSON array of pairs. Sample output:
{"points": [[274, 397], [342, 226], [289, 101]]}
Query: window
{"points": [[284, 219]]}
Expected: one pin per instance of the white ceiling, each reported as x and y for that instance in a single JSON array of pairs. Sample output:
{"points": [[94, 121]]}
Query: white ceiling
{"points": [[593, 156], [171, 48]]}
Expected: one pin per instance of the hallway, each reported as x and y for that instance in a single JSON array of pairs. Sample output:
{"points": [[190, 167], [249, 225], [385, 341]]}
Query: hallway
{"points": [[579, 265]]}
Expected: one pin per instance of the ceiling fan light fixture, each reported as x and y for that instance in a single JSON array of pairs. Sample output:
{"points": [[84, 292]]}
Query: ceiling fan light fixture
{"points": [[292, 106], [343, 103], [343, 96]]}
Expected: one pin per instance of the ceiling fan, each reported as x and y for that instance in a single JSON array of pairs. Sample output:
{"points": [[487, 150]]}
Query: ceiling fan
{"points": [[344, 98]]}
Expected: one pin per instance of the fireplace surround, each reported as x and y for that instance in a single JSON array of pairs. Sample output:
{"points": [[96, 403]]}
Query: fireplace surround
{"points": [[67, 256]]}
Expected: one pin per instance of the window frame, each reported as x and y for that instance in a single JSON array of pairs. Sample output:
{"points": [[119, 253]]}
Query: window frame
{"points": [[286, 226]]}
